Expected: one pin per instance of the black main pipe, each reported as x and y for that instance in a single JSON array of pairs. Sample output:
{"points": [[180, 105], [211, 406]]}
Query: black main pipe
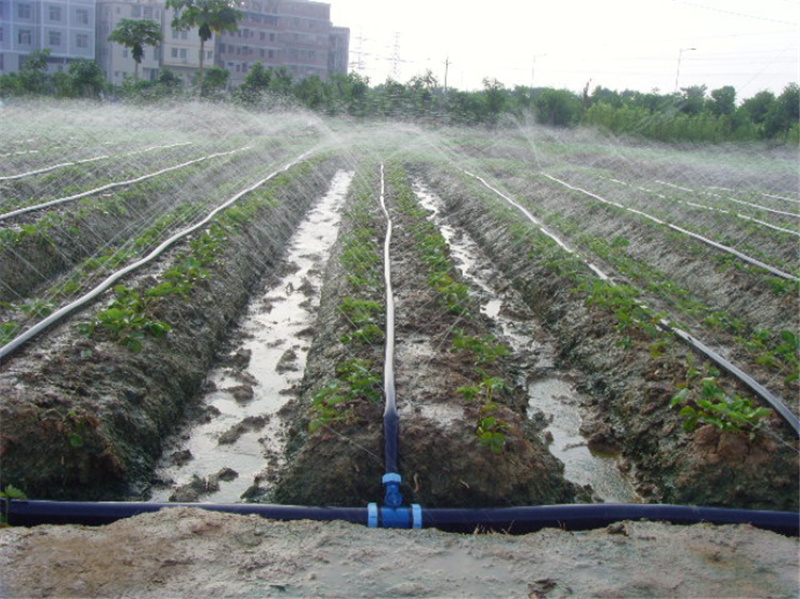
{"points": [[514, 520]]}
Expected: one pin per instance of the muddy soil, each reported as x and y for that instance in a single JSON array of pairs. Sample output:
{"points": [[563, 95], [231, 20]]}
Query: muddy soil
{"points": [[182, 552], [96, 412], [442, 459], [629, 389]]}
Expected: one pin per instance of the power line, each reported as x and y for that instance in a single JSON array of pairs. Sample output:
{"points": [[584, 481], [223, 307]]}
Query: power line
{"points": [[734, 13]]}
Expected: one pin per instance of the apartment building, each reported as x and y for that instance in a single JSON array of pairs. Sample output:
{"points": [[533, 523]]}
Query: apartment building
{"points": [[180, 50], [295, 34], [66, 27], [114, 59]]}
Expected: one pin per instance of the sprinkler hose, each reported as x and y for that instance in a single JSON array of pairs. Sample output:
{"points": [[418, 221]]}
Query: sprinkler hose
{"points": [[514, 520], [391, 421]]}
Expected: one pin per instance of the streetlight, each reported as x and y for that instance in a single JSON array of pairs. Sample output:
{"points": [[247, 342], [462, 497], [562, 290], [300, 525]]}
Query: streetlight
{"points": [[678, 74]]}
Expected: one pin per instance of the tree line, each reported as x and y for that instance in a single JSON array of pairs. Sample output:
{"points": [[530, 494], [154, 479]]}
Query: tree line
{"points": [[693, 114]]}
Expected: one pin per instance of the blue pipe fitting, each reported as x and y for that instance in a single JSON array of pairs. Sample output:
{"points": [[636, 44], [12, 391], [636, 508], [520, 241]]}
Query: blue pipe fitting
{"points": [[393, 497], [394, 517]]}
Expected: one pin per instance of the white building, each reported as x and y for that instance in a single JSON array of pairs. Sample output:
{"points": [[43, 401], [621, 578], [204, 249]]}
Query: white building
{"points": [[65, 27], [115, 59]]}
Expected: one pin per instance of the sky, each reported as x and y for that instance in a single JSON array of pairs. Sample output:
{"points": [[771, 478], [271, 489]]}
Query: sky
{"points": [[642, 45]]}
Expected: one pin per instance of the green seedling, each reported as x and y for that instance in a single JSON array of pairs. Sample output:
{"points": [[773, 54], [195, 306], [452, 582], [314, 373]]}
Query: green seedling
{"points": [[708, 403], [126, 320], [485, 350], [334, 403], [11, 492], [491, 430]]}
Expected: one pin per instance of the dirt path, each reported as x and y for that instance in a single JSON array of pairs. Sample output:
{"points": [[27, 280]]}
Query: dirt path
{"points": [[183, 552]]}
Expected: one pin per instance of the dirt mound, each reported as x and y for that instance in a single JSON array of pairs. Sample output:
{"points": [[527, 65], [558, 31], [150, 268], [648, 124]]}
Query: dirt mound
{"points": [[182, 552]]}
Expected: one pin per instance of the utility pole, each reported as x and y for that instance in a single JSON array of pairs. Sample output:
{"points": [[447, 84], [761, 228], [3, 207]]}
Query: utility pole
{"points": [[678, 73], [396, 57], [359, 62], [446, 68], [533, 70]]}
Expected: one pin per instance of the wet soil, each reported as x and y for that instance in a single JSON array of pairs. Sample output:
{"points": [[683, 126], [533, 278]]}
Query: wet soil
{"points": [[96, 412], [629, 391], [442, 460], [182, 552]]}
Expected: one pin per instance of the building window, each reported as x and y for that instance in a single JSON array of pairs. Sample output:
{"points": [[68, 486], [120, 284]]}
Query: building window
{"points": [[24, 11], [262, 36], [209, 53], [82, 40], [148, 12], [24, 37], [183, 53], [136, 11], [54, 38], [82, 15], [174, 53], [54, 12]]}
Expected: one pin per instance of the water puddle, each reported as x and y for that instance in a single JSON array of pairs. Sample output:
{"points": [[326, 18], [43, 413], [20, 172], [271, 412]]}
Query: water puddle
{"points": [[558, 400], [551, 393], [221, 457]]}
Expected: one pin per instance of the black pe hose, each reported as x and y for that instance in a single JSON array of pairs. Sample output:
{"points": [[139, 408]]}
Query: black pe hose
{"points": [[514, 520]]}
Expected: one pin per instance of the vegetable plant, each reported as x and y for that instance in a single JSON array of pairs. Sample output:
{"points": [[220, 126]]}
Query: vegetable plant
{"points": [[703, 401]]}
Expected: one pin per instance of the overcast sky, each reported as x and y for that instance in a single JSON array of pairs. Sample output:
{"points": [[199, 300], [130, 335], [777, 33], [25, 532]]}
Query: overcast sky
{"points": [[753, 45]]}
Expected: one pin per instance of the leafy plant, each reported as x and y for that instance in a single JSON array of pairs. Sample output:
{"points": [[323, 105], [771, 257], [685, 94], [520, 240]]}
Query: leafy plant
{"points": [[326, 406], [11, 492], [333, 403], [8, 330], [485, 350], [491, 430], [708, 403], [363, 315], [126, 320], [485, 390]]}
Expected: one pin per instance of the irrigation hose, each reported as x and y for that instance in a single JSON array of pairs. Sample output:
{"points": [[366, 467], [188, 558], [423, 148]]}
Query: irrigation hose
{"points": [[758, 389], [514, 520], [97, 190], [65, 311], [714, 244], [84, 161], [392, 479]]}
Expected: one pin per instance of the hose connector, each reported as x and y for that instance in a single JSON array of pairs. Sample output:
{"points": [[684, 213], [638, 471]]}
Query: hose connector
{"points": [[391, 482], [394, 517]]}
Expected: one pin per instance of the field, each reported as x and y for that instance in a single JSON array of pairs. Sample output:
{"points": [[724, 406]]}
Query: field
{"points": [[571, 311]]}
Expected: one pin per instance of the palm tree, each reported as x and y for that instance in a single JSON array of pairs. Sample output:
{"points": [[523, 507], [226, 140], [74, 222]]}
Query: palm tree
{"points": [[209, 16], [136, 34]]}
